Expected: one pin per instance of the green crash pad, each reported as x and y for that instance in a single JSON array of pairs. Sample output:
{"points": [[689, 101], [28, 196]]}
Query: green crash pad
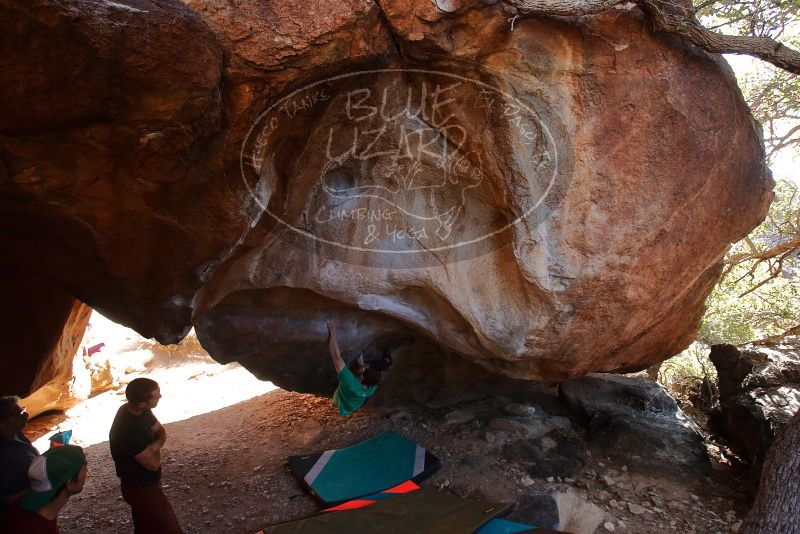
{"points": [[379, 463], [424, 511]]}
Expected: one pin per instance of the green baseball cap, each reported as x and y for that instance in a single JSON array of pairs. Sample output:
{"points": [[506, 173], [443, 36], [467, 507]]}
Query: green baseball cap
{"points": [[49, 472]]}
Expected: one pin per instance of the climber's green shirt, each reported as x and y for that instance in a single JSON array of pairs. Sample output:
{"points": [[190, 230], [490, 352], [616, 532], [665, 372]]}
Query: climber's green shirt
{"points": [[350, 395]]}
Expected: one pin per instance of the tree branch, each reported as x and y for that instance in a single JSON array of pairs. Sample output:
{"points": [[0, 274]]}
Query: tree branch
{"points": [[676, 18], [790, 246], [563, 8], [704, 5], [776, 339]]}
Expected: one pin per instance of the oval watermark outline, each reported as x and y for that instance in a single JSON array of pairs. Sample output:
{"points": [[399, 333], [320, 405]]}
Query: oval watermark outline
{"points": [[442, 248]]}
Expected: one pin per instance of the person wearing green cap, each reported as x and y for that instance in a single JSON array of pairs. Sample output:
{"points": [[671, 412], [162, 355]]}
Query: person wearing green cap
{"points": [[55, 476]]}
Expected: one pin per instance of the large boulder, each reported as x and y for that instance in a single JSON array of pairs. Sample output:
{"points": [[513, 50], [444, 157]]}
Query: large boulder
{"points": [[542, 199], [759, 392]]}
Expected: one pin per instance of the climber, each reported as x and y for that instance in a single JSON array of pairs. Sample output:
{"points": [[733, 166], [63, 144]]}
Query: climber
{"points": [[358, 381]]}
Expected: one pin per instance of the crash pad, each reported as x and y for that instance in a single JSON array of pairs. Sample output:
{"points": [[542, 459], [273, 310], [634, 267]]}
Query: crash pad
{"points": [[424, 511], [382, 462]]}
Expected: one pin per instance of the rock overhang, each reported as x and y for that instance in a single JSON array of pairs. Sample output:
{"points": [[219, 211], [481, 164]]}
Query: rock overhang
{"points": [[596, 171]]}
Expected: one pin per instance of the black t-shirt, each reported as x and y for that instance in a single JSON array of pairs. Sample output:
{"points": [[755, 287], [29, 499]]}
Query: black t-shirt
{"points": [[129, 436], [16, 454]]}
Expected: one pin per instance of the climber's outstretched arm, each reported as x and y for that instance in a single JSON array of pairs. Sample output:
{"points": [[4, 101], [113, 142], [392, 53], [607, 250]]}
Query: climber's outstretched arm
{"points": [[333, 346]]}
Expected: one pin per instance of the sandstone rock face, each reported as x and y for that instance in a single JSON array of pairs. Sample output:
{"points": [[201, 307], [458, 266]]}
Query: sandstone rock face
{"points": [[543, 201], [759, 392]]}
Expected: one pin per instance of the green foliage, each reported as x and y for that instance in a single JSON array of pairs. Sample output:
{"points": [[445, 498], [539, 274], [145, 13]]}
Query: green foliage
{"points": [[690, 364], [758, 297], [754, 18], [774, 97], [748, 303], [769, 310]]}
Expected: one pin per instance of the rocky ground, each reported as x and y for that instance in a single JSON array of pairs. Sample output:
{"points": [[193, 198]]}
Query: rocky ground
{"points": [[225, 471]]}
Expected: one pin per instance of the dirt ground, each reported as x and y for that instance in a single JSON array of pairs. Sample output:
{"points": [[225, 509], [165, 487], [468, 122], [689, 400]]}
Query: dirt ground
{"points": [[225, 471]]}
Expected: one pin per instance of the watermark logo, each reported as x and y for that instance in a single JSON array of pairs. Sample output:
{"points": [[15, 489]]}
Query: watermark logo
{"points": [[399, 167]]}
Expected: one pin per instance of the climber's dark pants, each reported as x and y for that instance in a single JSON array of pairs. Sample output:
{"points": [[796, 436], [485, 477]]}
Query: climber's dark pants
{"points": [[151, 510]]}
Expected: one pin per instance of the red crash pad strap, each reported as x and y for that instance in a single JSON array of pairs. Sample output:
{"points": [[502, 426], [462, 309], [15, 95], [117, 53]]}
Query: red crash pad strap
{"points": [[405, 487]]}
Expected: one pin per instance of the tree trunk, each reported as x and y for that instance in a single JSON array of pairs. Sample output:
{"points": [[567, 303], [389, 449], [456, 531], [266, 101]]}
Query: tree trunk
{"points": [[777, 506]]}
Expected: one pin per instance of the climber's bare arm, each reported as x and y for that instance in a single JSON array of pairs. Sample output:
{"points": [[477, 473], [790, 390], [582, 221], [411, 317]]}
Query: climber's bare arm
{"points": [[333, 346]]}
